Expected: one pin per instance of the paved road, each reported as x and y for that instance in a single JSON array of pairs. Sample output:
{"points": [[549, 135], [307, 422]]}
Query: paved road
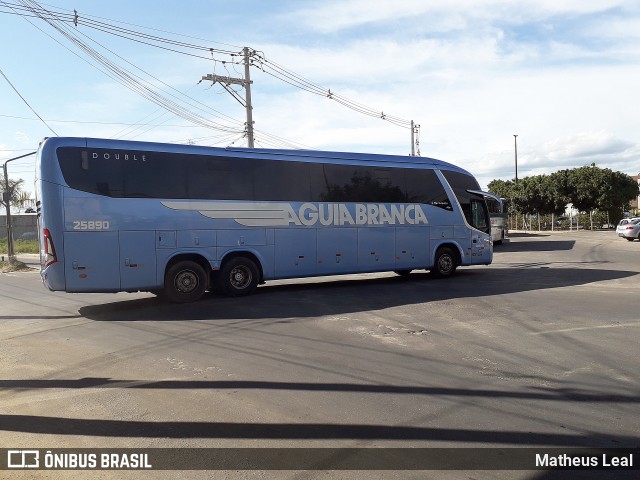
{"points": [[538, 349]]}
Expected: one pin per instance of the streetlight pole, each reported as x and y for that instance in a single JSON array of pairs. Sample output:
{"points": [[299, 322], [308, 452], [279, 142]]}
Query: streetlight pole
{"points": [[515, 145], [7, 203]]}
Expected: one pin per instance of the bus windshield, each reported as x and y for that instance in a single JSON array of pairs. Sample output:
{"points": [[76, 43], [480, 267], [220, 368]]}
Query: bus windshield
{"points": [[467, 191]]}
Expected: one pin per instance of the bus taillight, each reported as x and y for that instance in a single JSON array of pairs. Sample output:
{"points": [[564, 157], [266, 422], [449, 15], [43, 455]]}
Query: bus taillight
{"points": [[49, 250]]}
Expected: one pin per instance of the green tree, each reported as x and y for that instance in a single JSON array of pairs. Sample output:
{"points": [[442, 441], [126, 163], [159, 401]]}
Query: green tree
{"points": [[15, 189], [23, 200], [557, 190], [537, 194], [585, 186], [617, 192], [502, 188], [588, 188]]}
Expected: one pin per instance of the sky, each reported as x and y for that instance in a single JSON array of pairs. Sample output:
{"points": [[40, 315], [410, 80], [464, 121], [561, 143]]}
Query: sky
{"points": [[563, 75]]}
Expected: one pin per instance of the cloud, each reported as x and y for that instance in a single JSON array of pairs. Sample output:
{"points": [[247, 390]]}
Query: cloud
{"points": [[602, 148], [584, 146], [441, 17], [561, 75]]}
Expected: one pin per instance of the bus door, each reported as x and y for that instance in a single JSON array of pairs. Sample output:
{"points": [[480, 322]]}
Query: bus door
{"points": [[137, 260], [92, 262], [481, 251]]}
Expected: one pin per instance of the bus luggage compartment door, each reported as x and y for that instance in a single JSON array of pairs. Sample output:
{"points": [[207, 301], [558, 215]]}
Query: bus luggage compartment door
{"points": [[413, 247], [376, 248], [337, 250], [138, 260], [93, 264], [295, 252]]}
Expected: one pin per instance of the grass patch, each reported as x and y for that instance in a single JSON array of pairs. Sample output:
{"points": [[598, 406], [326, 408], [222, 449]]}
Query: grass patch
{"points": [[20, 246]]}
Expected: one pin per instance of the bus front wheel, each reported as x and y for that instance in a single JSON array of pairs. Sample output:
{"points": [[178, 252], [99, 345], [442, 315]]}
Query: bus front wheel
{"points": [[185, 282], [445, 263], [238, 276]]}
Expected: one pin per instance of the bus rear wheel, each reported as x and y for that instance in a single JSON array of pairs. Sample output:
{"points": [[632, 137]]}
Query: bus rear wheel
{"points": [[445, 263], [185, 282], [238, 276]]}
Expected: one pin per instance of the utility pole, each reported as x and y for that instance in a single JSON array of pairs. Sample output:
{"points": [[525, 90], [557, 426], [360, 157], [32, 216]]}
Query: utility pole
{"points": [[244, 82], [6, 197], [415, 130], [247, 87]]}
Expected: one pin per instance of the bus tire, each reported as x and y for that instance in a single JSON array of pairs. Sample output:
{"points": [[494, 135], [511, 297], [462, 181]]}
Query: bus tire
{"points": [[238, 276], [445, 263], [185, 282], [403, 273]]}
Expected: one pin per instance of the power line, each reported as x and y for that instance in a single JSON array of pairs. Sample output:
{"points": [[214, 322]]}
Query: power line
{"points": [[131, 135], [288, 76], [27, 103], [37, 11], [61, 21], [258, 59], [87, 122], [156, 29], [131, 80], [132, 128]]}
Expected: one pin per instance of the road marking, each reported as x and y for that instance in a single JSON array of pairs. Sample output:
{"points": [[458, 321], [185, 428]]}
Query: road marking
{"points": [[634, 324]]}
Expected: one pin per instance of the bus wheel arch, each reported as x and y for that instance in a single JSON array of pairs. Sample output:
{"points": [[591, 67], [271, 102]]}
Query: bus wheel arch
{"points": [[445, 261], [186, 278], [239, 274]]}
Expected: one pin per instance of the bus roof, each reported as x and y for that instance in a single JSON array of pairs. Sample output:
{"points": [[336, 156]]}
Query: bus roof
{"points": [[274, 154], [348, 156]]}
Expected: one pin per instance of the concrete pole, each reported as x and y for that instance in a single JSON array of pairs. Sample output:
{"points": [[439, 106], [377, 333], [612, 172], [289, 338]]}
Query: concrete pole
{"points": [[247, 86], [413, 140]]}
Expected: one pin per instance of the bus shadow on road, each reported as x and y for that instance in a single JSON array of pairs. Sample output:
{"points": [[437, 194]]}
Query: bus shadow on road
{"points": [[299, 431], [313, 298], [536, 246]]}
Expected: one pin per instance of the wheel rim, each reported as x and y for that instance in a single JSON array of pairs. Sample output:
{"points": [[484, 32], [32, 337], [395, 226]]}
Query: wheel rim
{"points": [[240, 277], [445, 263], [186, 281]]}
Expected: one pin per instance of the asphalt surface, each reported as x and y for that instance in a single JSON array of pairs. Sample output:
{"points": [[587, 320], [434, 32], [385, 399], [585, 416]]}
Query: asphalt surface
{"points": [[539, 349]]}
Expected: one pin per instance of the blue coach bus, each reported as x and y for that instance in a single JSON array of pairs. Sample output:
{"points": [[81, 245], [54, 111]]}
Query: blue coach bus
{"points": [[178, 220]]}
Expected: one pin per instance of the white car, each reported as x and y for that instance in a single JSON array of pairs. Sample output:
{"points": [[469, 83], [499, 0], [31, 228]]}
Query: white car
{"points": [[629, 228]]}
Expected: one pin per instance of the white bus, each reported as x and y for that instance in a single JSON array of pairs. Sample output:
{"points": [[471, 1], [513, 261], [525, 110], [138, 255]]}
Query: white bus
{"points": [[498, 218]]}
